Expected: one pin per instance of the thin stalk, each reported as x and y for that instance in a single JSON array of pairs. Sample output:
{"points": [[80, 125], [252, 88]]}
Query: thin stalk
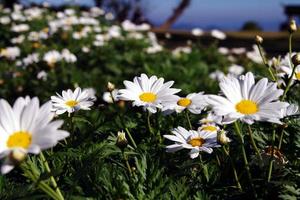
{"points": [[52, 179], [281, 138], [188, 119], [253, 143], [131, 138], [40, 184], [271, 159], [239, 133], [238, 184], [265, 62], [293, 71], [149, 123], [126, 162]]}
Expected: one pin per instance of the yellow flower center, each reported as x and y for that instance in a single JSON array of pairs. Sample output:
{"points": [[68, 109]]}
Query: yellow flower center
{"points": [[209, 128], [197, 142], [247, 107], [148, 97], [184, 102], [71, 103], [19, 139], [297, 75]]}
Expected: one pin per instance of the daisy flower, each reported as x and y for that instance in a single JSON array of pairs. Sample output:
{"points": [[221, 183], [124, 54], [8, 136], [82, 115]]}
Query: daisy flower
{"points": [[149, 93], [248, 101], [27, 128], [71, 101], [213, 128], [196, 141], [194, 102]]}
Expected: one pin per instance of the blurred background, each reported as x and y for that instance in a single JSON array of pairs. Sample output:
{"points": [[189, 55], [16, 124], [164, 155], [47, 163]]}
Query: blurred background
{"points": [[233, 15]]}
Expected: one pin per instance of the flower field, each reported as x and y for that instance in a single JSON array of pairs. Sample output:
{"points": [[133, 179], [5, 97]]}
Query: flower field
{"points": [[95, 109]]}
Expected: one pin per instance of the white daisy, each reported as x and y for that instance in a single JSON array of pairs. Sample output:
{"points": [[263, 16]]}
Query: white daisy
{"points": [[285, 68], [211, 118], [196, 141], [71, 101], [194, 102], [210, 127], [248, 101], [27, 128], [148, 92]]}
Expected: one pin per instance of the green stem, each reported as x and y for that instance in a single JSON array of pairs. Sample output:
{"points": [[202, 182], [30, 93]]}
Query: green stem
{"points": [[126, 162], [31, 172], [238, 184], [131, 138], [149, 123], [271, 158], [294, 69], [281, 138], [239, 133], [265, 62], [253, 143], [52, 179], [188, 119]]}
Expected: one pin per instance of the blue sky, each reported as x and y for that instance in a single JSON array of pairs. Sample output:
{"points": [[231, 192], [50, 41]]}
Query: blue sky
{"points": [[223, 14]]}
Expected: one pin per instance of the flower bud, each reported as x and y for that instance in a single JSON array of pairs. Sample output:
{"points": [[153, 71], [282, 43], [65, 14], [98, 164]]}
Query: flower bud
{"points": [[110, 86], [222, 138], [296, 59], [292, 26], [17, 156], [258, 39], [121, 140]]}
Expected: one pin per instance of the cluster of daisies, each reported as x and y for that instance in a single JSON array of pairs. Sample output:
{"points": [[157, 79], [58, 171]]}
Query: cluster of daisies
{"points": [[241, 99]]}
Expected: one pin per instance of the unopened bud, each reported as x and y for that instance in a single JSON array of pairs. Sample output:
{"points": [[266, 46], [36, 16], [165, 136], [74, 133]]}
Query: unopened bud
{"points": [[17, 156], [292, 26], [296, 59], [258, 39], [110, 86], [222, 138], [121, 140]]}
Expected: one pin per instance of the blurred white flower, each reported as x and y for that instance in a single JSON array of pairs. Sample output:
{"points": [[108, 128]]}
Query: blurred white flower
{"points": [[197, 32], [10, 52], [254, 55], [42, 75], [236, 69], [20, 28], [111, 97], [52, 57], [223, 50], [218, 34], [217, 75], [5, 20], [68, 56]]}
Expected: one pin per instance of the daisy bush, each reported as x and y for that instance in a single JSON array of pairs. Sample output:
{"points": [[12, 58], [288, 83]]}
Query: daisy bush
{"points": [[95, 109]]}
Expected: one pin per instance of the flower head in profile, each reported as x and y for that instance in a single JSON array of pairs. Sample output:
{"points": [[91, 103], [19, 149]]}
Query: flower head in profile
{"points": [[26, 128], [71, 101], [196, 141], [149, 93], [194, 102], [248, 101]]}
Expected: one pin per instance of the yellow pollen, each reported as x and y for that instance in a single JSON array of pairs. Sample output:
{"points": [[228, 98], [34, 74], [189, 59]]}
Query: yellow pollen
{"points": [[297, 75], [197, 142], [71, 103], [209, 128], [148, 97], [247, 107], [184, 102], [19, 139]]}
